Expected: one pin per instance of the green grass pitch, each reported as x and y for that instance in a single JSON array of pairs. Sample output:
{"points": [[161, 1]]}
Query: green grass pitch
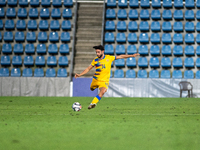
{"points": [[49, 123]]}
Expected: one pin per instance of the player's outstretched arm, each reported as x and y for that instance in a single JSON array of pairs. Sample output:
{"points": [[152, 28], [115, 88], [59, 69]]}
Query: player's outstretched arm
{"points": [[126, 56], [84, 72]]}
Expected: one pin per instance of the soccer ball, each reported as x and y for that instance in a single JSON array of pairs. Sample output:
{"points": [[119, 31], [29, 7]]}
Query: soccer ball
{"points": [[76, 106]]}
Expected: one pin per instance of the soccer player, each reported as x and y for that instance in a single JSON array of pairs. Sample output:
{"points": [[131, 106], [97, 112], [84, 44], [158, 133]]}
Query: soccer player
{"points": [[102, 63]]}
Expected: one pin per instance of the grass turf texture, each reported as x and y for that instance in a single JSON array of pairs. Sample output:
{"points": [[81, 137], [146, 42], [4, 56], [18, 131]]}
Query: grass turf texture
{"points": [[49, 123]]}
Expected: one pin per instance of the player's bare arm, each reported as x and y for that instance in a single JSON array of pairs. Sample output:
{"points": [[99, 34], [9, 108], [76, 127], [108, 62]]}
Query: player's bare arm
{"points": [[84, 72], [126, 56]]}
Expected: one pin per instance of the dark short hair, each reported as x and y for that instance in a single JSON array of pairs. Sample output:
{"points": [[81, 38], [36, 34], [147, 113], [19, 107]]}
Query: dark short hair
{"points": [[99, 47]]}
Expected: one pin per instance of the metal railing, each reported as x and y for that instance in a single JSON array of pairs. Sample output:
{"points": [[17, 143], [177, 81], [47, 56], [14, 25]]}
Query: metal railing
{"points": [[103, 23]]}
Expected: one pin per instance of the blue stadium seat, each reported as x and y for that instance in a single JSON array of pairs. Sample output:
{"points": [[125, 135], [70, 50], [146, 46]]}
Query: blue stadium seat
{"points": [[133, 14], [32, 25], [65, 37], [131, 49], [166, 50], [166, 26], [50, 72], [121, 38], [155, 38], [9, 24], [178, 14], [38, 72], [189, 14], [31, 36], [144, 3], [67, 13], [120, 63], [143, 50], [111, 3], [46, 3], [155, 26], [144, 38], [40, 61], [142, 73], [155, 50], [166, 62], [165, 74], [178, 50], [66, 25], [64, 49], [2, 2], [21, 25], [5, 60], [155, 14], [42, 36], [43, 25], [110, 26], [167, 14], [198, 26], [63, 61], [121, 26], [17, 61], [57, 3], [34, 3], [122, 3], [177, 62], [131, 62], [166, 38], [27, 72], [12, 2], [178, 26], [11, 13], [156, 3], [197, 74], [198, 3], [189, 26], [1, 24], [189, 38], [109, 49], [54, 25], [189, 50], [4, 72], [189, 62], [178, 3], [8, 36], [154, 62], [132, 38], [22, 13], [189, 3], [62, 72], [109, 37], [153, 74], [121, 14], [198, 50], [177, 38], [133, 3], [29, 49], [110, 14], [15, 72], [198, 38], [132, 26], [68, 3], [167, 3], [142, 62], [53, 37], [188, 74], [119, 73], [177, 74], [28, 61], [19, 36], [51, 61], [144, 26], [44, 13], [130, 73], [23, 3], [144, 14], [2, 12], [41, 49], [52, 49], [120, 49], [111, 74], [33, 13], [198, 62], [55, 13], [18, 49]]}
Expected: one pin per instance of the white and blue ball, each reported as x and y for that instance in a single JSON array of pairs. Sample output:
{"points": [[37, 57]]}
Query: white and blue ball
{"points": [[76, 106]]}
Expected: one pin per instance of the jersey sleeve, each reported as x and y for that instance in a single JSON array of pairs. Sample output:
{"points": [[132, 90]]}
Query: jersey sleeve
{"points": [[93, 63], [112, 58]]}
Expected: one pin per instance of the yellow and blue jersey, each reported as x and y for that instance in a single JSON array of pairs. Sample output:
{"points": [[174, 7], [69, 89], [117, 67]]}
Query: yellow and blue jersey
{"points": [[103, 67]]}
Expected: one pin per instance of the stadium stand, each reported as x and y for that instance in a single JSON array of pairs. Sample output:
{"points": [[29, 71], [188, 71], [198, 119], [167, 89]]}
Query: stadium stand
{"points": [[38, 72], [142, 74], [15, 72], [154, 74], [165, 74], [118, 73], [130, 73], [50, 72], [4, 72]]}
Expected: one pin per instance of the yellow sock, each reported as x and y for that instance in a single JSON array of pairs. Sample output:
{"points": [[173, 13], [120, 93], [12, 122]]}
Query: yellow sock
{"points": [[96, 99]]}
